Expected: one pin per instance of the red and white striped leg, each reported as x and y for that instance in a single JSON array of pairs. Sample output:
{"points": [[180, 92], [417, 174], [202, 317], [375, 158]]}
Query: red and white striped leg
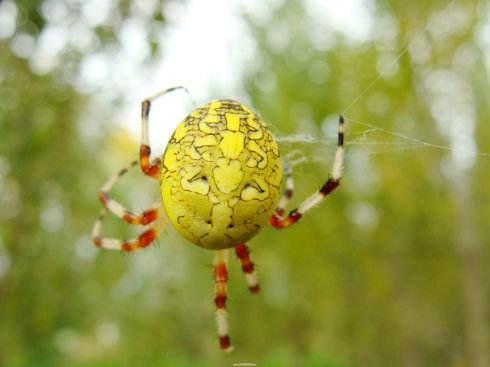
{"points": [[287, 193], [150, 168], [119, 210], [220, 264], [279, 222], [142, 241], [243, 253]]}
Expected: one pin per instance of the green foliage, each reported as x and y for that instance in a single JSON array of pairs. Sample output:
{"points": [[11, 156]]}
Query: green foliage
{"points": [[384, 273]]}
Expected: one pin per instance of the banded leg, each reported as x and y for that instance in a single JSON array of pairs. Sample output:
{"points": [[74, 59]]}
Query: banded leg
{"points": [[143, 240], [287, 193], [150, 168], [243, 254], [119, 210], [278, 222], [220, 264]]}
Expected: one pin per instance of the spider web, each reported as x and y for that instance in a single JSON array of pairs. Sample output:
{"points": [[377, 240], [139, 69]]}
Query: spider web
{"points": [[374, 139]]}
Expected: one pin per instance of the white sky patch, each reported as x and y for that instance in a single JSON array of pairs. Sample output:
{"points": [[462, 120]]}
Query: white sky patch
{"points": [[364, 215], [204, 47], [449, 22], [52, 216], [353, 18], [50, 44], [8, 19], [133, 38], [207, 47], [23, 45], [95, 12], [453, 108], [483, 35]]}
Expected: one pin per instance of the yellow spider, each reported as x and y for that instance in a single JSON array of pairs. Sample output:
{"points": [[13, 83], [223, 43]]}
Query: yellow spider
{"points": [[220, 179]]}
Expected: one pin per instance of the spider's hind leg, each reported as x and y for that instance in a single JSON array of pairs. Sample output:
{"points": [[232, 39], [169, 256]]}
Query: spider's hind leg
{"points": [[143, 240], [119, 210], [277, 221], [153, 217], [243, 253], [220, 265], [288, 192]]}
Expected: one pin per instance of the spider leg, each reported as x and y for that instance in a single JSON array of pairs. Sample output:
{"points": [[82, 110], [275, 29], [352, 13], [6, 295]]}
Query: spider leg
{"points": [[150, 168], [278, 222], [143, 240], [287, 193], [220, 265], [119, 210], [243, 253]]}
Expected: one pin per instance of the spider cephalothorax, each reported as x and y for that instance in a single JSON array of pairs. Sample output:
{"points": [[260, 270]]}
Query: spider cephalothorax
{"points": [[220, 180]]}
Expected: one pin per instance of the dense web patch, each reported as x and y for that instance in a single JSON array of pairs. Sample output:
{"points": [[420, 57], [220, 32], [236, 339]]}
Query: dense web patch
{"points": [[298, 149]]}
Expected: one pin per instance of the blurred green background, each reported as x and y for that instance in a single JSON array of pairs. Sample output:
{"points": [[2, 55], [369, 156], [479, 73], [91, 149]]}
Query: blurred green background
{"points": [[391, 270]]}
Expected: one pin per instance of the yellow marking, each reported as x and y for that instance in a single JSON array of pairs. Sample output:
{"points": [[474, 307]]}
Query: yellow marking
{"points": [[274, 177], [256, 132], [232, 121], [232, 144], [180, 132], [188, 138], [257, 189], [192, 215], [214, 105], [193, 153], [170, 157], [254, 147], [245, 108], [207, 156], [212, 118], [194, 181], [197, 113], [205, 124], [227, 175], [205, 140], [243, 211], [194, 228], [221, 218], [213, 198], [251, 163], [194, 205], [274, 147]]}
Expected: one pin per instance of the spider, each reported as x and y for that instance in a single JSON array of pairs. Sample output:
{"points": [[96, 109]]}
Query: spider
{"points": [[220, 179]]}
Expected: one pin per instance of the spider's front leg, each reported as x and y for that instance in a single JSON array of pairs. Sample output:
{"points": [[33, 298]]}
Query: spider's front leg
{"points": [[278, 221], [150, 168]]}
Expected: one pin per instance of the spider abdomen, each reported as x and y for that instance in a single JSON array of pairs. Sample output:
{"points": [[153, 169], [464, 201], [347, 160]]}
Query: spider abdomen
{"points": [[221, 175]]}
